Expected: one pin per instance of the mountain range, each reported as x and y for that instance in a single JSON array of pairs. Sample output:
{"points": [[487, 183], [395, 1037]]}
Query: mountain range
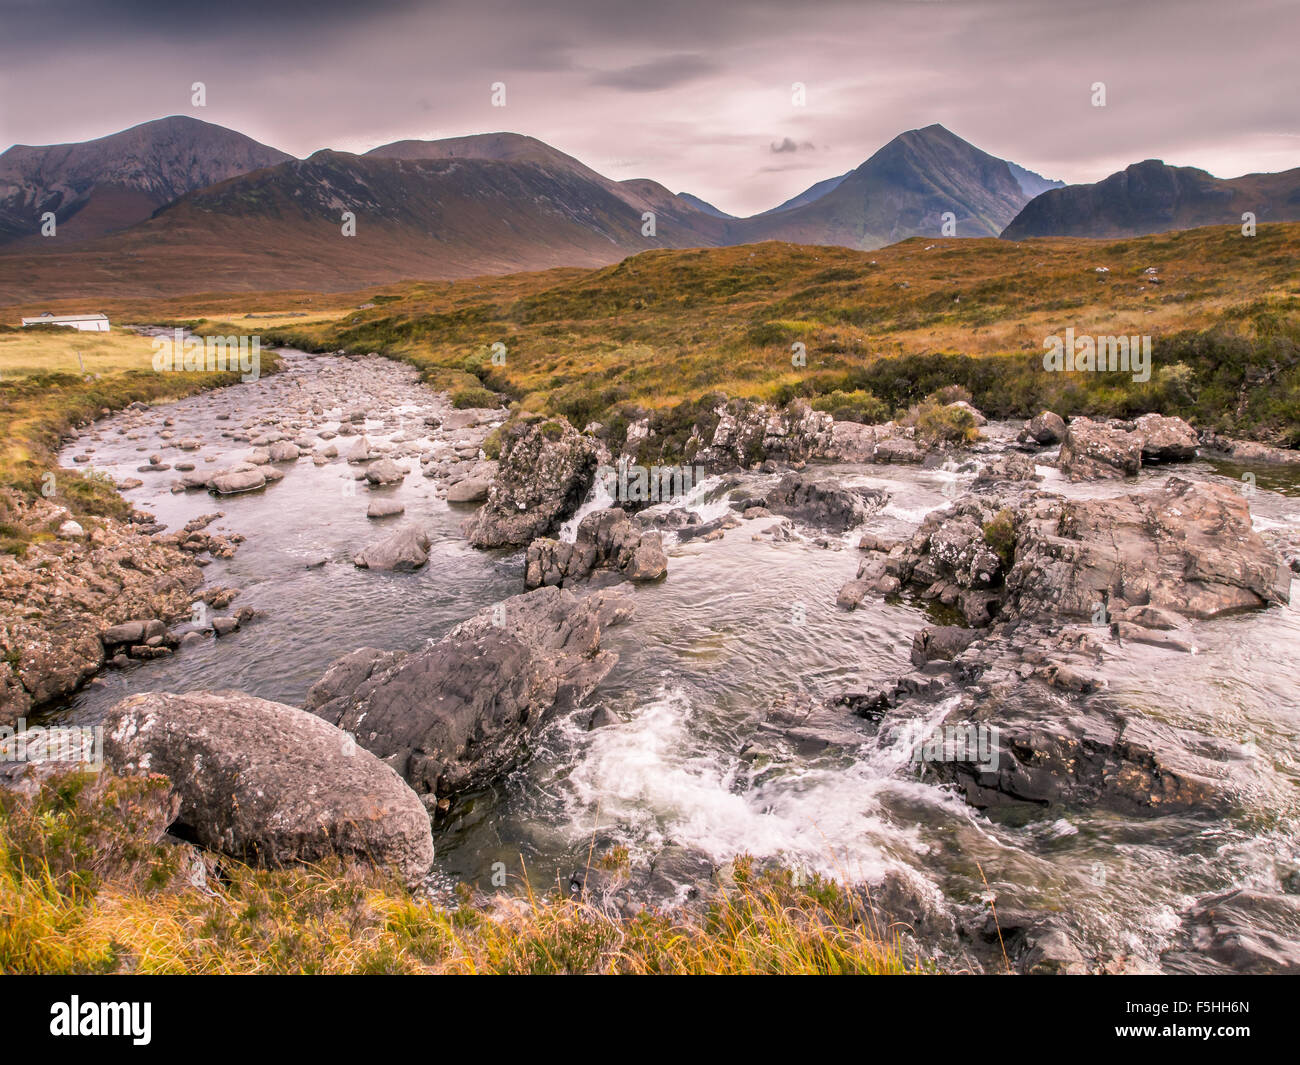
{"points": [[178, 205], [98, 186], [1153, 197]]}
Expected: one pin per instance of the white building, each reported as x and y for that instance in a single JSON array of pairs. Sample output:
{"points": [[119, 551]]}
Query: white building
{"points": [[87, 323]]}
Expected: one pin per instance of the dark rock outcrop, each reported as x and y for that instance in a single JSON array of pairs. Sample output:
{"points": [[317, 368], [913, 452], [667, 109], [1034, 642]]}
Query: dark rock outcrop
{"points": [[823, 503], [1240, 931], [456, 714], [606, 540]]}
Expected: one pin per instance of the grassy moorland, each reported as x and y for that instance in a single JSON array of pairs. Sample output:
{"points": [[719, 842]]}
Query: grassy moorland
{"points": [[86, 886], [880, 329]]}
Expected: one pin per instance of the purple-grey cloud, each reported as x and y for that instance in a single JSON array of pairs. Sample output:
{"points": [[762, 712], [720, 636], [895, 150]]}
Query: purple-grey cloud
{"points": [[686, 90]]}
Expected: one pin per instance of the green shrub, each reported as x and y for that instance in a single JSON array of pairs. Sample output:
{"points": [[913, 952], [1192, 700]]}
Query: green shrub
{"points": [[1000, 535], [951, 394], [473, 397], [858, 406], [936, 423]]}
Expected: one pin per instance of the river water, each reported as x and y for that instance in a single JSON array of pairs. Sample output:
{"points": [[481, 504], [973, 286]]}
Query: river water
{"points": [[737, 624]]}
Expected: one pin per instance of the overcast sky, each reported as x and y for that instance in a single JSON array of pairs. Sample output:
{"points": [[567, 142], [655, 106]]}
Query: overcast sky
{"points": [[693, 93]]}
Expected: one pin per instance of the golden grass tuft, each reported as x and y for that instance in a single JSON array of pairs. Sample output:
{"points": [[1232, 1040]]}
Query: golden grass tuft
{"points": [[88, 884]]}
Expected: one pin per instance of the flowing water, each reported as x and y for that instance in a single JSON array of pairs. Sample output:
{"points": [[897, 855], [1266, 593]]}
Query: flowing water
{"points": [[737, 624]]}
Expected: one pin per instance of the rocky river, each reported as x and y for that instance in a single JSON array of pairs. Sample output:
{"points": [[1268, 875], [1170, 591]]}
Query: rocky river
{"points": [[769, 694]]}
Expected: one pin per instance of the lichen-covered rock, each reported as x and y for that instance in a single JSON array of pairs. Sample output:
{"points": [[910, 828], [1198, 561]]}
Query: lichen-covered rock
{"points": [[1008, 467], [57, 600], [1166, 439], [1184, 549], [744, 433], [1092, 451], [544, 473], [1187, 547]]}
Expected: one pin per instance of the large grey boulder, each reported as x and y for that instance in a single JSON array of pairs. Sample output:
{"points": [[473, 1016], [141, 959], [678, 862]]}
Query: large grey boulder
{"points": [[544, 474], [455, 715], [244, 477], [268, 783], [406, 549], [384, 471], [1045, 428]]}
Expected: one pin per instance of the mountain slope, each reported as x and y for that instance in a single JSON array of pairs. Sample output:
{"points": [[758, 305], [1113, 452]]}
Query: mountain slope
{"points": [[680, 214], [96, 187], [812, 192], [1152, 197], [901, 191], [281, 227]]}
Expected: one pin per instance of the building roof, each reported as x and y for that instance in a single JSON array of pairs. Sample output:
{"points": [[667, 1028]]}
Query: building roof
{"points": [[52, 319]]}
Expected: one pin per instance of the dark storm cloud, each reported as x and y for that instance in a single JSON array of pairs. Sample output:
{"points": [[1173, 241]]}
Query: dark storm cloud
{"points": [[657, 74], [693, 94], [164, 18]]}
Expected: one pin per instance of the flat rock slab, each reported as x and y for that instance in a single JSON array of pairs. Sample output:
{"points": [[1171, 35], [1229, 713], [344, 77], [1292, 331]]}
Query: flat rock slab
{"points": [[385, 508]]}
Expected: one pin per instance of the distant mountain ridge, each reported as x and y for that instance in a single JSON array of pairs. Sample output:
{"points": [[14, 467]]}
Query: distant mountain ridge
{"points": [[180, 205], [98, 186], [813, 192], [703, 205], [1033, 184], [1154, 197]]}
